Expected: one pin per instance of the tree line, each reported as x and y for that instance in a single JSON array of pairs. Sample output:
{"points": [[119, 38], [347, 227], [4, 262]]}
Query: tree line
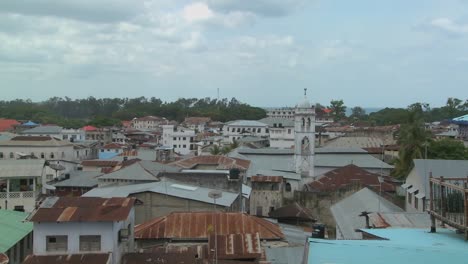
{"points": [[74, 113]]}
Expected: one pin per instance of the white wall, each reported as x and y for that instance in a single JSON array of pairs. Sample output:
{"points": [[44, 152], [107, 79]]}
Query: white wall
{"points": [[178, 139], [57, 151]]}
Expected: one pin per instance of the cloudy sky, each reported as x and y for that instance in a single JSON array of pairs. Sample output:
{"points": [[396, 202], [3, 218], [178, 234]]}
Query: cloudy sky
{"points": [[263, 52]]}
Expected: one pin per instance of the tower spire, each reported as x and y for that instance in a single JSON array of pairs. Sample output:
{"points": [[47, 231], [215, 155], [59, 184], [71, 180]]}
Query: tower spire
{"points": [[305, 92]]}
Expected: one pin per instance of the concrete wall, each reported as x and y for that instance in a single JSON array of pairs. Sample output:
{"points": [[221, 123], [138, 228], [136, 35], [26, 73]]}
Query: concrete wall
{"points": [[157, 205], [20, 250], [109, 232]]}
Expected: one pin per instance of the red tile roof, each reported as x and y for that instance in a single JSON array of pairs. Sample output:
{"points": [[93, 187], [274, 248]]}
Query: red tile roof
{"points": [[7, 124], [199, 225], [89, 128], [112, 146], [348, 175], [223, 162], [95, 258], [83, 209]]}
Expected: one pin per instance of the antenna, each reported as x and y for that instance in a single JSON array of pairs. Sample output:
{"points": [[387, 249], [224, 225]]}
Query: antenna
{"points": [[305, 91]]}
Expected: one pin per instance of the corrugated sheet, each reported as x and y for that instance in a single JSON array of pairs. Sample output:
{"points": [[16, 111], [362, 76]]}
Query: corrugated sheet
{"points": [[199, 225], [99, 163], [292, 211], [83, 209], [223, 162], [235, 246], [21, 168], [13, 228], [266, 179], [404, 219], [95, 258]]}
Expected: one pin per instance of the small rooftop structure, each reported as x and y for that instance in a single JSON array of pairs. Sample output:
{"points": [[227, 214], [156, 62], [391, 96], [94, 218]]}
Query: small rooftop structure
{"points": [[83, 209], [221, 162], [197, 225], [292, 212], [95, 258]]}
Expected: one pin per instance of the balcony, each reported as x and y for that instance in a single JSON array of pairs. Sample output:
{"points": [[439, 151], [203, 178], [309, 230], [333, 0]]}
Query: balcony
{"points": [[27, 200], [449, 203]]}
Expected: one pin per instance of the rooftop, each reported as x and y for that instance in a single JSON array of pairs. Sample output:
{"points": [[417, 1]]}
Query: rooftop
{"points": [[83, 209], [95, 258], [7, 124], [223, 162], [35, 141], [164, 187], [80, 179], [43, 130], [197, 225], [246, 123], [406, 246], [12, 228], [21, 168], [275, 122]]}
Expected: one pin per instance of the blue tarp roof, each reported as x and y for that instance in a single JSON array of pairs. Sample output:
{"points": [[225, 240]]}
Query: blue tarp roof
{"points": [[107, 155], [461, 119], [404, 246], [30, 123]]}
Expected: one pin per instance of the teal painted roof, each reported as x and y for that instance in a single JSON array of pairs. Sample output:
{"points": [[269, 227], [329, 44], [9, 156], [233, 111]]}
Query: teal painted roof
{"points": [[404, 246], [12, 228]]}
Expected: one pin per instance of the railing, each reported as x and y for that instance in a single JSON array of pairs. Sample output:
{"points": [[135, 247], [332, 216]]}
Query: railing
{"points": [[18, 195], [449, 201]]}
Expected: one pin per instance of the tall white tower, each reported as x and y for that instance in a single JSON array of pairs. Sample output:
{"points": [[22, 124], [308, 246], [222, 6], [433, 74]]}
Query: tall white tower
{"points": [[304, 137]]}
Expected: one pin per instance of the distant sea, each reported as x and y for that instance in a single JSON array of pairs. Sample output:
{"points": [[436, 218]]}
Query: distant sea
{"points": [[367, 109]]}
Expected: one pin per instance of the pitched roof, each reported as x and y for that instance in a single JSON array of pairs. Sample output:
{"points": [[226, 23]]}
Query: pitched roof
{"points": [[21, 168], [112, 146], [95, 258], [274, 122], [292, 211], [183, 191], [80, 179], [35, 141], [348, 175], [89, 128], [83, 209], [223, 162], [7, 124], [133, 172], [12, 228], [196, 120], [246, 123], [100, 163], [199, 225], [149, 118], [43, 130]]}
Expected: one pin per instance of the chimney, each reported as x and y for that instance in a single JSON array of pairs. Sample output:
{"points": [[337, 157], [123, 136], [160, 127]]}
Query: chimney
{"points": [[366, 215]]}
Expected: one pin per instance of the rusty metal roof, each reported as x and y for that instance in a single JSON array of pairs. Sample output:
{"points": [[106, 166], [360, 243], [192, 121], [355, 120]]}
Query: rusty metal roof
{"points": [[293, 211], [199, 225], [222, 162], [100, 163], [174, 258], [83, 209], [3, 259], [259, 178], [235, 246], [95, 258]]}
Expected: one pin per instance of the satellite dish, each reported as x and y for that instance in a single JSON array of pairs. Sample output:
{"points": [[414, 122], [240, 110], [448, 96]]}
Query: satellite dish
{"points": [[215, 194]]}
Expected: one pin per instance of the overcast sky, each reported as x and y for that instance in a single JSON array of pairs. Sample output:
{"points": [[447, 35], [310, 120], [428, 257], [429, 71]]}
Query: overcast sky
{"points": [[263, 52]]}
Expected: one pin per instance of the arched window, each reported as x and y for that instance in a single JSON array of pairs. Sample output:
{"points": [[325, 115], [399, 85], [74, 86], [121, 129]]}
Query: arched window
{"points": [[12, 156], [51, 155], [309, 123], [1, 155], [42, 155], [288, 187], [303, 122], [305, 146]]}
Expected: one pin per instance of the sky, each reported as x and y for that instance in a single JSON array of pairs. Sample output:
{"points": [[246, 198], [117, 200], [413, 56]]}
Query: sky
{"points": [[263, 52]]}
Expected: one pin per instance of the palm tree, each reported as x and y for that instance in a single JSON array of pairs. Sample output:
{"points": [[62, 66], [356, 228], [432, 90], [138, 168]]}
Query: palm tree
{"points": [[215, 150]]}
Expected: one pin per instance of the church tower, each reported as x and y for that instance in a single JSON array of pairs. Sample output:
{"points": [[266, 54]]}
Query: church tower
{"points": [[304, 137]]}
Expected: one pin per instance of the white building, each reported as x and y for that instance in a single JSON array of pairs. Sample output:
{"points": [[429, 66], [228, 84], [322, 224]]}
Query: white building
{"points": [[57, 132], [84, 225], [289, 112], [304, 138], [21, 182], [196, 123], [235, 130], [148, 123], [48, 148], [181, 139], [281, 132]]}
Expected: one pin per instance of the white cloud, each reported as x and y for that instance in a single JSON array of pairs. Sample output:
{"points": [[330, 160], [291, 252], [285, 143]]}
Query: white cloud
{"points": [[197, 12], [450, 26], [260, 7]]}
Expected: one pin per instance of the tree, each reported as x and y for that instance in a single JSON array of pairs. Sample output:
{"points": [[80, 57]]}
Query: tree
{"points": [[338, 109], [412, 140], [447, 149], [358, 113], [215, 150]]}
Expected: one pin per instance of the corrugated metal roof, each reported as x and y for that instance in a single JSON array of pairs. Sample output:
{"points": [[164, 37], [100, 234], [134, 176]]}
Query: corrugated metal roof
{"points": [[199, 225], [250, 123], [165, 187], [401, 219], [99, 163], [134, 172], [405, 246], [80, 179], [346, 212], [235, 246], [95, 258], [83, 209], [347, 175], [21, 168], [223, 162], [292, 211], [13, 228], [35, 141], [43, 130]]}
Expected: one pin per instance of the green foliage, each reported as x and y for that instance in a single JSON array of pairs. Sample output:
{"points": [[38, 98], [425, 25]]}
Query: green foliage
{"points": [[447, 149], [338, 110], [215, 150], [358, 113], [108, 111]]}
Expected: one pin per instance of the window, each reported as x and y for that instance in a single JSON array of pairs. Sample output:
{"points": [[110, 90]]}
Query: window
{"points": [[184, 146], [416, 200], [1, 155], [102, 150], [175, 146], [42, 155], [51, 155], [288, 187], [289, 131], [90, 243], [56, 243], [12, 155], [183, 138], [174, 138]]}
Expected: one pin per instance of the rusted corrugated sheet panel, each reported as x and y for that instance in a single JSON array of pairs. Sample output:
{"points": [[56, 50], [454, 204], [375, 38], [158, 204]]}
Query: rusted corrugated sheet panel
{"points": [[98, 258], [199, 225], [376, 220], [235, 246], [84, 209], [173, 258], [259, 178], [100, 163]]}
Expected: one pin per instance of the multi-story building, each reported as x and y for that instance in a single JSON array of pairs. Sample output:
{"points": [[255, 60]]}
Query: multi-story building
{"points": [[57, 132], [181, 139], [281, 131], [148, 123], [196, 123], [83, 225], [322, 117], [235, 130], [103, 135]]}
